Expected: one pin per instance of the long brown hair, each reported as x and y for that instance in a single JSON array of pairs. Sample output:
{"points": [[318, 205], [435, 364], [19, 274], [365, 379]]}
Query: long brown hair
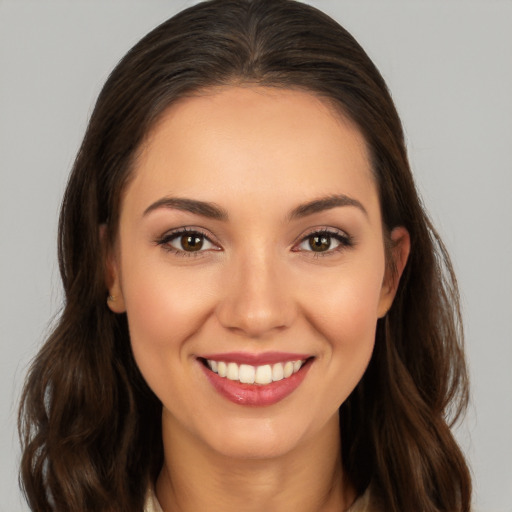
{"points": [[90, 426]]}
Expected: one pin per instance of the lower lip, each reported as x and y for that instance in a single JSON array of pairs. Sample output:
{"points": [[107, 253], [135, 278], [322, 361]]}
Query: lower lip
{"points": [[254, 394]]}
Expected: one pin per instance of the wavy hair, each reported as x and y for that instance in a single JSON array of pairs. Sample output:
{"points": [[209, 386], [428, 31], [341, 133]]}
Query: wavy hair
{"points": [[90, 426]]}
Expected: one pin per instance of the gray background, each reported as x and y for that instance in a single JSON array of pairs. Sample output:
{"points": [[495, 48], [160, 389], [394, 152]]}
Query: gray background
{"points": [[449, 66]]}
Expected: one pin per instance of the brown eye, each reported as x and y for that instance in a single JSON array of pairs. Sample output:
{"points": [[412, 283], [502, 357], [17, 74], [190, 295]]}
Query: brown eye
{"points": [[187, 242], [324, 241], [192, 242], [319, 242]]}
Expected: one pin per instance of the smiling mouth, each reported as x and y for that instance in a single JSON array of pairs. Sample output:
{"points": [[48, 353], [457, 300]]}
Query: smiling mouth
{"points": [[255, 379], [259, 375]]}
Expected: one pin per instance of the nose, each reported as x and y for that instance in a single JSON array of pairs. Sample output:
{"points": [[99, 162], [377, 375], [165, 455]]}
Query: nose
{"points": [[258, 299]]}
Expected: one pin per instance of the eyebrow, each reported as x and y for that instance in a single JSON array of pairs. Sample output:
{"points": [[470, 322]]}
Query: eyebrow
{"points": [[205, 209], [325, 203], [213, 211]]}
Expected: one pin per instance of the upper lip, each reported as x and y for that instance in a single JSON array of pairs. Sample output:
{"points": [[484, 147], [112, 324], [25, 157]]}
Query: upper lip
{"points": [[256, 359]]}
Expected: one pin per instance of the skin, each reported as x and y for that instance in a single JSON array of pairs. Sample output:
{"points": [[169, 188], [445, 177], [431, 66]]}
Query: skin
{"points": [[257, 286]]}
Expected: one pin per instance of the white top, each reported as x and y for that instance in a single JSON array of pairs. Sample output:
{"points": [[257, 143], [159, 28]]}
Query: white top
{"points": [[360, 505], [152, 504]]}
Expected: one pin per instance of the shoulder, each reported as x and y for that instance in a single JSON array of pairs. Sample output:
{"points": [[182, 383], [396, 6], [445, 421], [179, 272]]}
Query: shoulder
{"points": [[151, 504], [366, 503]]}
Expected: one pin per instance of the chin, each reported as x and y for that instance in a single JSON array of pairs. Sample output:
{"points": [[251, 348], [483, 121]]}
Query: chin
{"points": [[260, 438], [257, 444]]}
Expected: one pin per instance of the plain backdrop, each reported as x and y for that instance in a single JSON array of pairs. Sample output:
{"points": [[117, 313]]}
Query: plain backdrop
{"points": [[448, 64]]}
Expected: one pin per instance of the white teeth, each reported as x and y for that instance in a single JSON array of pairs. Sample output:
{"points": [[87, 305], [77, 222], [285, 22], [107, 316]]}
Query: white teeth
{"points": [[277, 372], [263, 374], [247, 374], [232, 371], [222, 368]]}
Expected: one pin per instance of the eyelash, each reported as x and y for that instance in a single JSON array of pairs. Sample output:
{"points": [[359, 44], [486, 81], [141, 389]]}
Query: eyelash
{"points": [[166, 239], [345, 241]]}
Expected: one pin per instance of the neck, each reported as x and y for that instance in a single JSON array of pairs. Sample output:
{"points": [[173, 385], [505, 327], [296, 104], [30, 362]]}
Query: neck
{"points": [[308, 479]]}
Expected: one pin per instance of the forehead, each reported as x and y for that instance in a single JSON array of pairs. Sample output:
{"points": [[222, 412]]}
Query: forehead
{"points": [[252, 140]]}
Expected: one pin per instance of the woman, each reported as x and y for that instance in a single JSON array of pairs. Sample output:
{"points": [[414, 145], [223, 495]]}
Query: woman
{"points": [[259, 314]]}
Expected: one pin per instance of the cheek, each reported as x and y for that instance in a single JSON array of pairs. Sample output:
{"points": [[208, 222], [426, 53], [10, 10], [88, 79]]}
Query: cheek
{"points": [[164, 308], [159, 312], [345, 314], [350, 334], [347, 309]]}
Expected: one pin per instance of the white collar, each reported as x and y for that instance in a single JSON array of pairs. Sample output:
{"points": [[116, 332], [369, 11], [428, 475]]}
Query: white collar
{"points": [[360, 505]]}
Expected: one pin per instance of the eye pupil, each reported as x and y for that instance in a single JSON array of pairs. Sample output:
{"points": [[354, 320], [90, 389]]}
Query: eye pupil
{"points": [[319, 243], [192, 242]]}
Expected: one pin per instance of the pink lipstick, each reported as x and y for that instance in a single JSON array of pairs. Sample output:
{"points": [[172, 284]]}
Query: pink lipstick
{"points": [[256, 379]]}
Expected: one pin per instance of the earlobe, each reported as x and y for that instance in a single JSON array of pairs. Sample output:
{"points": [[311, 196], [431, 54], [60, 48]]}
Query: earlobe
{"points": [[115, 299], [400, 249], [116, 303]]}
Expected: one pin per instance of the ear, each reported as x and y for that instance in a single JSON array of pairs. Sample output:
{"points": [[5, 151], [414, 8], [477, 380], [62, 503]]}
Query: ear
{"points": [[115, 300], [399, 253]]}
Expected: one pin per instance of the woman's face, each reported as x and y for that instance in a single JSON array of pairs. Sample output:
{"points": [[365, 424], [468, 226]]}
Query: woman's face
{"points": [[250, 238]]}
